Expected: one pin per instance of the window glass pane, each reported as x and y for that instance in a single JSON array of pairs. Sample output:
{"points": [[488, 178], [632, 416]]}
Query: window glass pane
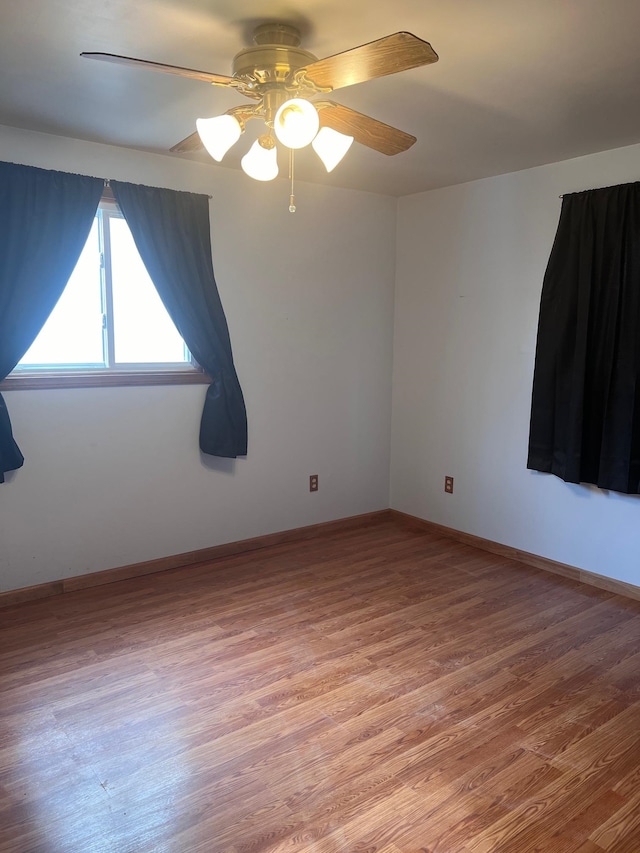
{"points": [[143, 331], [73, 333]]}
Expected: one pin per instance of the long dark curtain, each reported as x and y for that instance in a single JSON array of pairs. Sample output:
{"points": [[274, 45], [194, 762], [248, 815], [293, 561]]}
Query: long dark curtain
{"points": [[585, 413], [45, 219], [172, 234]]}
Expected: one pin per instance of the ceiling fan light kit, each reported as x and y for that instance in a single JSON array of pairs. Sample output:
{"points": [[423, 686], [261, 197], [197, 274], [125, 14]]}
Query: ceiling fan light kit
{"points": [[282, 78], [219, 134], [331, 146], [296, 123], [261, 161]]}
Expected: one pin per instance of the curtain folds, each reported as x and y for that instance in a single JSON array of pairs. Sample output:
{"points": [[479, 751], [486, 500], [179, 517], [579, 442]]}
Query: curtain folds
{"points": [[172, 234], [45, 219], [585, 412]]}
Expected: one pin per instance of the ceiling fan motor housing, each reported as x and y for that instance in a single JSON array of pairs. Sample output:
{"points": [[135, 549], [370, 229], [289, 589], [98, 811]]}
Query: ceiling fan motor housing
{"points": [[275, 56]]}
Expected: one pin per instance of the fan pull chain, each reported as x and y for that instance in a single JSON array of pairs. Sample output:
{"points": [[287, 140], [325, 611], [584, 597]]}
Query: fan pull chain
{"points": [[292, 198]]}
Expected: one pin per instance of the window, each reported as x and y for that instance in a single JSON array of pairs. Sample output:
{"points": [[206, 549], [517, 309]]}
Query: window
{"points": [[109, 326]]}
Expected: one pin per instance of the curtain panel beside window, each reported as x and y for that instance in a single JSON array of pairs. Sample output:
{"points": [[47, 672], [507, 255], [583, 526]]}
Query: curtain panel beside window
{"points": [[585, 412], [172, 234], [45, 219]]}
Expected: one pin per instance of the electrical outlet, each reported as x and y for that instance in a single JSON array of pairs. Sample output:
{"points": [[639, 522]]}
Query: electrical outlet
{"points": [[448, 485], [313, 483]]}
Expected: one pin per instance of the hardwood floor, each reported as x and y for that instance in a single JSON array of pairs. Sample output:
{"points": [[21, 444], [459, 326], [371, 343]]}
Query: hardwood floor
{"points": [[378, 690]]}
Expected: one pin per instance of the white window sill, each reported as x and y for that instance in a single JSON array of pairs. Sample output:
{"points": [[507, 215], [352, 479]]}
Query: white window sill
{"points": [[32, 380]]}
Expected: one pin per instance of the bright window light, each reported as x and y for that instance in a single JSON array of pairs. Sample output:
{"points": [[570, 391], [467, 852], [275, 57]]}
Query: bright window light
{"points": [[109, 316], [73, 333], [143, 332]]}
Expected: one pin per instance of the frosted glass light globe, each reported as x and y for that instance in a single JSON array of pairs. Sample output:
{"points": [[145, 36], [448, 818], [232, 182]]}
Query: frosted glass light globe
{"points": [[260, 163], [218, 134], [296, 123], [331, 146]]}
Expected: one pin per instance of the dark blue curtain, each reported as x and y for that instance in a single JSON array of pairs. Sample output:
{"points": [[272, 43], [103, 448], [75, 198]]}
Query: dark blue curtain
{"points": [[45, 219], [172, 234], [585, 411]]}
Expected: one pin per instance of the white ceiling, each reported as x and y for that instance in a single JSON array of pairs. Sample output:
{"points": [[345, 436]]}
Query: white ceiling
{"points": [[519, 82]]}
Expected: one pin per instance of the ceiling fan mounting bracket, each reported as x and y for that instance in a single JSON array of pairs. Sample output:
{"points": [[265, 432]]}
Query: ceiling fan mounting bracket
{"points": [[273, 32]]}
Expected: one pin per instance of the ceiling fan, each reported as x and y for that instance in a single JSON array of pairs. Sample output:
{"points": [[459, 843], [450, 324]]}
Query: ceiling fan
{"points": [[281, 78]]}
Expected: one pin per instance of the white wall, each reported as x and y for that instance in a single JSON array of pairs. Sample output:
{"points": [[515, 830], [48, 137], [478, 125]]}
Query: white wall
{"points": [[114, 476], [470, 263]]}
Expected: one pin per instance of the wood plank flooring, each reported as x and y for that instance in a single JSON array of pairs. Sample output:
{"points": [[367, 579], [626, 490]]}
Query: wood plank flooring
{"points": [[381, 690]]}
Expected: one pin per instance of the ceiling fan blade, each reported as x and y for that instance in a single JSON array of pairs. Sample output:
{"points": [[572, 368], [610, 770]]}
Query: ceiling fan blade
{"points": [[208, 77], [364, 129], [186, 146], [388, 55]]}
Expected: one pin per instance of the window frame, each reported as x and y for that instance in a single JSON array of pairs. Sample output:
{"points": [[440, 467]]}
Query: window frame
{"points": [[95, 377]]}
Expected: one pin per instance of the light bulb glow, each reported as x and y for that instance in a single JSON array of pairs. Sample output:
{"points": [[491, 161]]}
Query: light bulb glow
{"points": [[296, 123], [260, 163], [218, 134], [331, 146]]}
